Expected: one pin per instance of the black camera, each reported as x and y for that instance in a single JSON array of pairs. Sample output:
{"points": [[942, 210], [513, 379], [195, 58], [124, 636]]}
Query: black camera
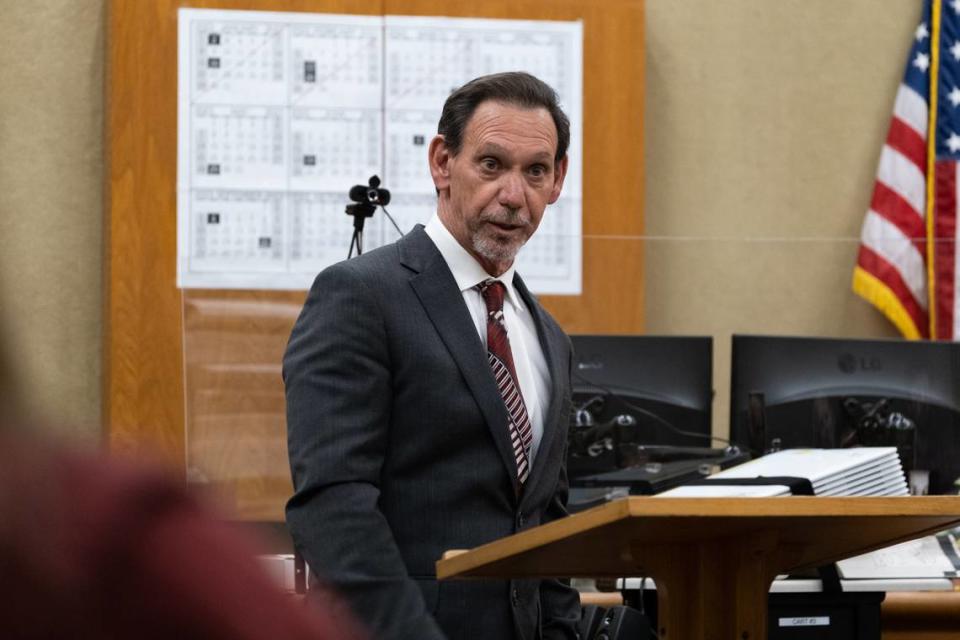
{"points": [[367, 198]]}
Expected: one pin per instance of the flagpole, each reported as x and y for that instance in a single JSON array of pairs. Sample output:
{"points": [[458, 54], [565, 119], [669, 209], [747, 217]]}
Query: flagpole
{"points": [[935, 9]]}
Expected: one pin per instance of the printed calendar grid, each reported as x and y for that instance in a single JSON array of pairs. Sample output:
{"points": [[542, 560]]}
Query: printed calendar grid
{"points": [[329, 110]]}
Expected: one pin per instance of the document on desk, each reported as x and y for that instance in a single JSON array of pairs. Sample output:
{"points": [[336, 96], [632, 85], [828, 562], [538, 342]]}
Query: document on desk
{"points": [[929, 557], [726, 491], [863, 471]]}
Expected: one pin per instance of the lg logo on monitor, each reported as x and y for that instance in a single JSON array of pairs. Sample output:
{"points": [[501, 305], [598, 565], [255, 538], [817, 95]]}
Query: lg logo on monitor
{"points": [[849, 363]]}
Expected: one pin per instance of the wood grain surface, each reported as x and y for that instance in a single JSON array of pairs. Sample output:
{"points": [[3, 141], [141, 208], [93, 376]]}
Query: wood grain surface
{"points": [[599, 542]]}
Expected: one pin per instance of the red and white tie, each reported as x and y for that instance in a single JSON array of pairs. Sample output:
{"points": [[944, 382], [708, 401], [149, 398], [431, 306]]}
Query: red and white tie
{"points": [[501, 362]]}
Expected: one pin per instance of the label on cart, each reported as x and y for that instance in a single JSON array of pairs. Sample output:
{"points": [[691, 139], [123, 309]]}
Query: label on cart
{"points": [[808, 621]]}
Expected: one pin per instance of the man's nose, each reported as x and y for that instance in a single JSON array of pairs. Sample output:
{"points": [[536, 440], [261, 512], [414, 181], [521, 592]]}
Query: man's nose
{"points": [[511, 191]]}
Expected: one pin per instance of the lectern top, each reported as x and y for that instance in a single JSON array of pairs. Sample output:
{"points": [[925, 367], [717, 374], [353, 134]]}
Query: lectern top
{"points": [[617, 538]]}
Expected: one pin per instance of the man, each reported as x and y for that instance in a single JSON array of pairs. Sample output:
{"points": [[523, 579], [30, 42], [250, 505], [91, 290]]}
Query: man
{"points": [[407, 436]]}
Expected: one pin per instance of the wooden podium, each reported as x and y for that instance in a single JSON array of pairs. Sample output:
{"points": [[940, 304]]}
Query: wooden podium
{"points": [[713, 559]]}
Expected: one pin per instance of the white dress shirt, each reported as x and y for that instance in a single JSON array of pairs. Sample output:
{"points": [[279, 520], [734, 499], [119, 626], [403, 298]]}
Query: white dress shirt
{"points": [[528, 357]]}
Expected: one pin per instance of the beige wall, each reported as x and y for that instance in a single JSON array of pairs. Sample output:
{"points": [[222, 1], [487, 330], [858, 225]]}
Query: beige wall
{"points": [[764, 123], [51, 109], [763, 120]]}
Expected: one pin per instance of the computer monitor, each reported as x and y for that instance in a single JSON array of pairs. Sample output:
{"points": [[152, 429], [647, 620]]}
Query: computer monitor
{"points": [[829, 392], [662, 383]]}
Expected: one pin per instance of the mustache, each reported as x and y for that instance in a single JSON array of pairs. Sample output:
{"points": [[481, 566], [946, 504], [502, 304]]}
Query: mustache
{"points": [[512, 217]]}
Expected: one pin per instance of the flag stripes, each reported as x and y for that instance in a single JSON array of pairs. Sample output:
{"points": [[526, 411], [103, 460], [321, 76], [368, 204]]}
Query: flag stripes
{"points": [[945, 262], [907, 264]]}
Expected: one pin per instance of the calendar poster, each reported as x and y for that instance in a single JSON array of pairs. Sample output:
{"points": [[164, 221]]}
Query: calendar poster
{"points": [[279, 114]]}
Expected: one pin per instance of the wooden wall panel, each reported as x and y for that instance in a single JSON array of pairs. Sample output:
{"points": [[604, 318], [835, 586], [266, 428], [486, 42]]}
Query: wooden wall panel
{"points": [[142, 372], [194, 376], [236, 424], [143, 348]]}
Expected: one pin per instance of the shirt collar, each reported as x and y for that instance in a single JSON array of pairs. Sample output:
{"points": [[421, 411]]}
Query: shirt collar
{"points": [[465, 269]]}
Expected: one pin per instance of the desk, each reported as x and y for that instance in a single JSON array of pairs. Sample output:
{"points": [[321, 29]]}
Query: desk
{"points": [[713, 559], [921, 616]]}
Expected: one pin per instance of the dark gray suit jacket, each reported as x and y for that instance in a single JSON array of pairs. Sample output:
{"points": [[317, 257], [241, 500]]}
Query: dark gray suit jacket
{"points": [[399, 450]]}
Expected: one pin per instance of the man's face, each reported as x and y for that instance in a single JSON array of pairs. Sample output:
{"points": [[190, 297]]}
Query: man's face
{"points": [[493, 193]]}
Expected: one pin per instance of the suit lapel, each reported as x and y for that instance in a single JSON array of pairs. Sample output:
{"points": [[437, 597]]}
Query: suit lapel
{"points": [[437, 290], [550, 343]]}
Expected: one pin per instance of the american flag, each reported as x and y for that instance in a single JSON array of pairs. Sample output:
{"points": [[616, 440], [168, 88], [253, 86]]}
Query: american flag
{"points": [[907, 264]]}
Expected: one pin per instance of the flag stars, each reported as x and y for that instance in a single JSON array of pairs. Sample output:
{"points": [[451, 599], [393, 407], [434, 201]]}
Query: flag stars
{"points": [[956, 6], [955, 50], [953, 142], [954, 96], [922, 32], [922, 61]]}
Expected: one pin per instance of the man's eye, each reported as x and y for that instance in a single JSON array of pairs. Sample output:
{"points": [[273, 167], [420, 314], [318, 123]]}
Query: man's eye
{"points": [[489, 164], [538, 171]]}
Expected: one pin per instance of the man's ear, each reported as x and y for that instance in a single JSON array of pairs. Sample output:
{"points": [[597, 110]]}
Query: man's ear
{"points": [[439, 157], [558, 176]]}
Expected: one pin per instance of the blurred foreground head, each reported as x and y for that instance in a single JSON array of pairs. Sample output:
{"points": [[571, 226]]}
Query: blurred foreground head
{"points": [[94, 547]]}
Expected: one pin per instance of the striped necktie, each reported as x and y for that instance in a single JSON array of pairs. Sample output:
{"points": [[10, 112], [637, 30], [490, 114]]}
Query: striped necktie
{"points": [[501, 362]]}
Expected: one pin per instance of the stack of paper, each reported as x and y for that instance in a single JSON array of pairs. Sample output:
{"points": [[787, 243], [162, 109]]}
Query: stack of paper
{"points": [[863, 471], [867, 471]]}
